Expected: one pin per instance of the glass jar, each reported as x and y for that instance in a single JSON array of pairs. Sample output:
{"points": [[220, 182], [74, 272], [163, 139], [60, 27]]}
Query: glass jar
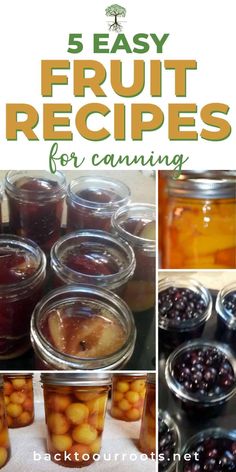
{"points": [[184, 307], [168, 442], [22, 274], [128, 393], [19, 399], [202, 377], [1, 198], [75, 408], [200, 228], [215, 449], [136, 224], [226, 311], [82, 327], [91, 202], [35, 202], [147, 438], [93, 258], [5, 450]]}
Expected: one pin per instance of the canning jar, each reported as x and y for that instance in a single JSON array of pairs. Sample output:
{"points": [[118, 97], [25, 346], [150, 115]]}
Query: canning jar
{"points": [[75, 408], [91, 202], [211, 449], [184, 307], [168, 442], [35, 202], [147, 437], [1, 198], [22, 274], [5, 450], [94, 258], [226, 311], [200, 228], [82, 327], [202, 377], [19, 399], [128, 393], [136, 224]]}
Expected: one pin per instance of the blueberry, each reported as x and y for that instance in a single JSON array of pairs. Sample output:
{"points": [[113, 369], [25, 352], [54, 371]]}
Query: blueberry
{"points": [[180, 304]]}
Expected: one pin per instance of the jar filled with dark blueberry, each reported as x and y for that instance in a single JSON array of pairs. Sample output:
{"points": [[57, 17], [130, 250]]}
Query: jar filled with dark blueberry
{"points": [[226, 311], [168, 442], [93, 258], [136, 224], [91, 202], [202, 377], [213, 450], [35, 202], [184, 306]]}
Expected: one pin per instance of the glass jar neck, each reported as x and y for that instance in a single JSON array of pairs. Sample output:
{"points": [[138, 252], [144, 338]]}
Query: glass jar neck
{"points": [[27, 196], [228, 317]]}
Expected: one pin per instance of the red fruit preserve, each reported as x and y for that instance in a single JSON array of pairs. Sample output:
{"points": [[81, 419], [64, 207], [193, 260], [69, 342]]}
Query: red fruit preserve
{"points": [[94, 258], [91, 202], [22, 273], [35, 201], [136, 224]]}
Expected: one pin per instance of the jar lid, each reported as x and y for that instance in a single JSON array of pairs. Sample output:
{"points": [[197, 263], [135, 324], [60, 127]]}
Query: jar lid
{"points": [[76, 379], [151, 378], [13, 375], [130, 374], [211, 184]]}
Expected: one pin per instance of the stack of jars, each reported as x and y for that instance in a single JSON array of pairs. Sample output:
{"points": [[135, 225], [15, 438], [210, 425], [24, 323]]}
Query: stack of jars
{"points": [[109, 248]]}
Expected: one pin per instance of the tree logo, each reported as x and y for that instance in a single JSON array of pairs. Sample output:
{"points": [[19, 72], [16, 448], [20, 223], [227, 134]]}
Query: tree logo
{"points": [[116, 11]]}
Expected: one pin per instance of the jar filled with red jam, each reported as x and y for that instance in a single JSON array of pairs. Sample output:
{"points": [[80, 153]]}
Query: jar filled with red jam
{"points": [[5, 450], [1, 198], [94, 258], [35, 202], [82, 327], [75, 408], [91, 202], [19, 399], [147, 438], [136, 224], [22, 274], [128, 393]]}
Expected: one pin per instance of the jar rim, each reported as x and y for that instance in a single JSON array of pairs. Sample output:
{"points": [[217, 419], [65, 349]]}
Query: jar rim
{"points": [[165, 416], [228, 317], [193, 284], [12, 375], [149, 244], [76, 379], [181, 393], [25, 194], [206, 433], [113, 184], [67, 361], [29, 246], [210, 186], [66, 273]]}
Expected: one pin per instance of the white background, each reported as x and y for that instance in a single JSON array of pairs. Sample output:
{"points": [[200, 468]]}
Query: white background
{"points": [[35, 30]]}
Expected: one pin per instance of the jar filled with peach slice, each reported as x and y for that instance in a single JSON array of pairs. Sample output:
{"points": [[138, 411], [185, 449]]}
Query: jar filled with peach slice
{"points": [[75, 408], [147, 438], [19, 399], [128, 393], [200, 228], [5, 450], [82, 328]]}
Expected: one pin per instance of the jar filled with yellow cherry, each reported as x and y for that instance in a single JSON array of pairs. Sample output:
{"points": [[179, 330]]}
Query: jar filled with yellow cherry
{"points": [[75, 408], [128, 393], [19, 399], [5, 450], [147, 438]]}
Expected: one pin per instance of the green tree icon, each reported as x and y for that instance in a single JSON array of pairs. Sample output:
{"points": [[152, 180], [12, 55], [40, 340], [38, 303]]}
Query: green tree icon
{"points": [[116, 11]]}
